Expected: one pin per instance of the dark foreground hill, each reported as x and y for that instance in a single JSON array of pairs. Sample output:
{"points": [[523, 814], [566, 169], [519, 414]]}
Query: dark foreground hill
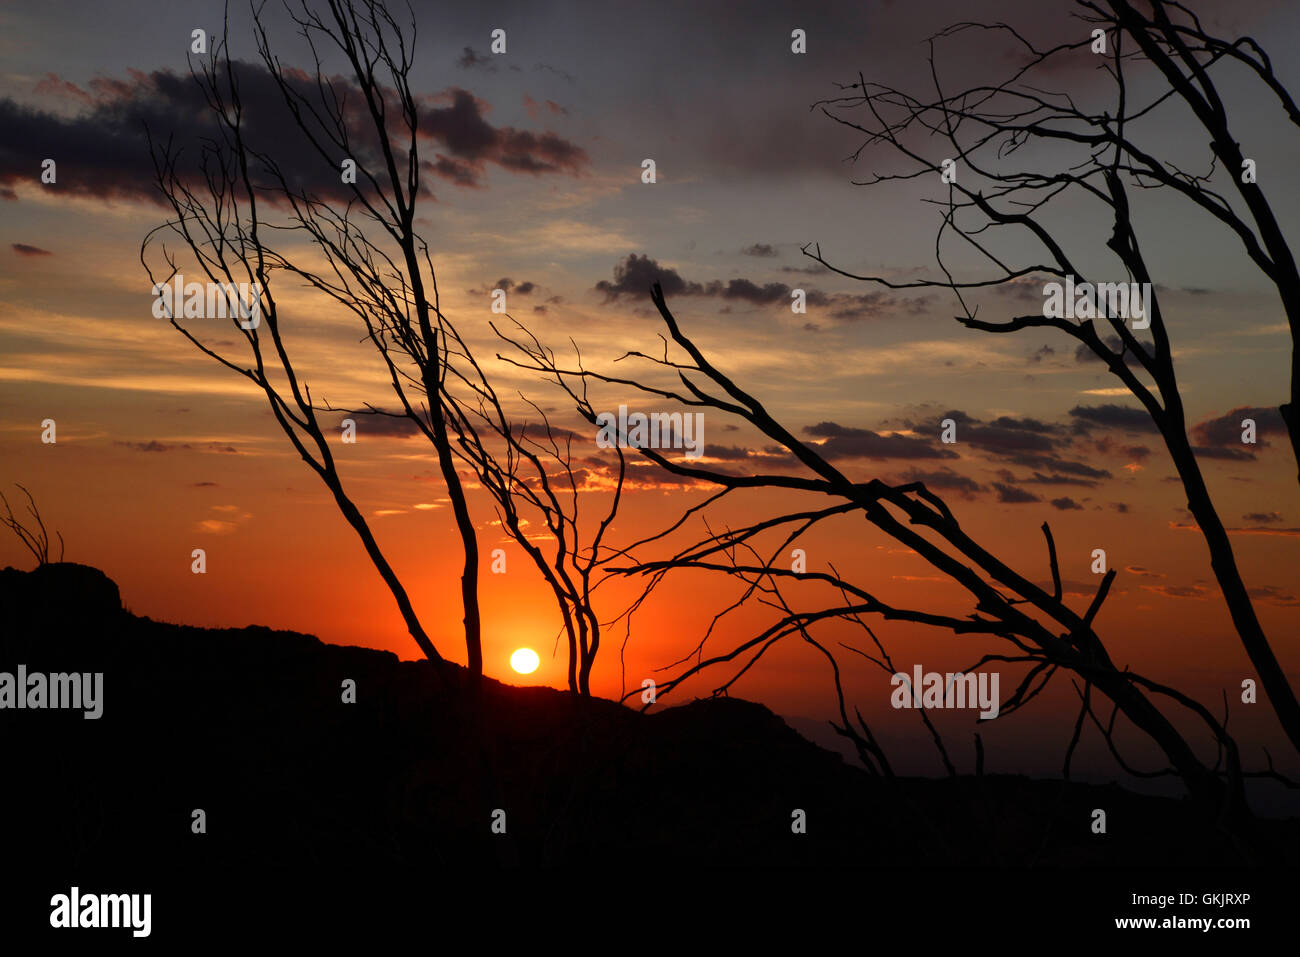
{"points": [[249, 726]]}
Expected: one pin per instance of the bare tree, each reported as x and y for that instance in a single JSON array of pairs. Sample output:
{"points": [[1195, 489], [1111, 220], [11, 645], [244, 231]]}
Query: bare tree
{"points": [[35, 538], [986, 129], [531, 469], [1040, 629], [377, 268], [386, 281]]}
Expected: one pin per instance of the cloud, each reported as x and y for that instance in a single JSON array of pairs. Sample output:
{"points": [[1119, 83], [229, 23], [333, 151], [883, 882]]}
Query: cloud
{"points": [[461, 128], [469, 60], [103, 152], [509, 285], [944, 478], [23, 249], [382, 424], [1115, 416], [1214, 452], [759, 249], [842, 442], [1038, 478], [1274, 596], [1058, 466], [1066, 504], [1014, 496], [1262, 518], [634, 276], [637, 274], [1006, 435], [1225, 430], [1084, 354], [733, 453]]}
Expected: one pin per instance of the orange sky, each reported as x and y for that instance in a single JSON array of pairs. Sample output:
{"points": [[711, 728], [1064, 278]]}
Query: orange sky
{"points": [[160, 451]]}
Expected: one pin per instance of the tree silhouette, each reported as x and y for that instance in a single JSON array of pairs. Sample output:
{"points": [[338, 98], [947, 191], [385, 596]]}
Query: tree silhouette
{"points": [[377, 268], [1040, 629], [992, 130], [35, 538], [220, 207]]}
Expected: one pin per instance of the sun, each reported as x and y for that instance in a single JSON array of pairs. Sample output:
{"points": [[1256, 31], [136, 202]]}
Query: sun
{"points": [[525, 661]]}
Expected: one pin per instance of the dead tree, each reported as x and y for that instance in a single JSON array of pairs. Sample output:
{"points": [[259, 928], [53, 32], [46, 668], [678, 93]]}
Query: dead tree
{"points": [[35, 538], [986, 129], [529, 471], [1040, 628], [229, 205]]}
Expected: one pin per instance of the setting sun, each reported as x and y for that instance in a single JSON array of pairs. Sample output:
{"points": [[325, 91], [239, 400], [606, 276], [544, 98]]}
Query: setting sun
{"points": [[525, 661]]}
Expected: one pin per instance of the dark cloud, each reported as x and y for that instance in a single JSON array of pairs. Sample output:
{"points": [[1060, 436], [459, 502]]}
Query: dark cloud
{"points": [[1115, 416], [759, 249], [509, 285], [944, 478], [842, 442], [1274, 595], [634, 276], [379, 424], [733, 453], [1084, 354], [1038, 478], [23, 249], [1066, 504], [1027, 425], [1214, 452], [103, 150], [1004, 436], [469, 60], [1225, 430], [637, 274], [461, 128], [1002, 441], [725, 452], [1056, 466], [1014, 496], [1262, 518], [747, 291]]}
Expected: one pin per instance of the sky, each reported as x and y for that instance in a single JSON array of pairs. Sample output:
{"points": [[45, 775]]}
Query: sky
{"points": [[535, 186]]}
